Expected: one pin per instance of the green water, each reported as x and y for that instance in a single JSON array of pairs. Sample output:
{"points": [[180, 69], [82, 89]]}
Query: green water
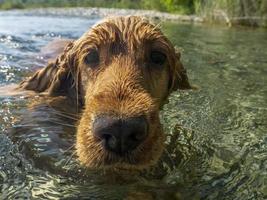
{"points": [[216, 143]]}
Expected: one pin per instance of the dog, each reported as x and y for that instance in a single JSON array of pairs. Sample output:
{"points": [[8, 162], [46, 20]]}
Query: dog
{"points": [[120, 73]]}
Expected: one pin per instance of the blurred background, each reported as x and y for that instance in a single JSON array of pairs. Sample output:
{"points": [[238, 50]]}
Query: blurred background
{"points": [[245, 12]]}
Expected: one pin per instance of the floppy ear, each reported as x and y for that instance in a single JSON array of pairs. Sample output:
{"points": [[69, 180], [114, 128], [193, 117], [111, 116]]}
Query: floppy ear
{"points": [[178, 75], [57, 78]]}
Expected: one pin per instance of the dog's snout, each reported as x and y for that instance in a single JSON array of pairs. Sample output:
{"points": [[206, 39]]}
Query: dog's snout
{"points": [[120, 135]]}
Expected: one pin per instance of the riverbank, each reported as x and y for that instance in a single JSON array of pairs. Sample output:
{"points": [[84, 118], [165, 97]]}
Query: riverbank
{"points": [[231, 13], [217, 16], [107, 12]]}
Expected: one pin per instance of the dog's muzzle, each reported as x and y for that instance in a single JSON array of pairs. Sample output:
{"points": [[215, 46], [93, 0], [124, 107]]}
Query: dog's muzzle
{"points": [[120, 135]]}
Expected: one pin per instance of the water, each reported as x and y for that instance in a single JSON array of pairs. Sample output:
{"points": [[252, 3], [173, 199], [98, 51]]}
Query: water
{"points": [[217, 141]]}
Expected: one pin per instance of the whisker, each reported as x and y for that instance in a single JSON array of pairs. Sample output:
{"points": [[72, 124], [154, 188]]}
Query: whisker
{"points": [[63, 124], [25, 125], [63, 115], [68, 149], [169, 155], [69, 159], [72, 114], [77, 89], [62, 112]]}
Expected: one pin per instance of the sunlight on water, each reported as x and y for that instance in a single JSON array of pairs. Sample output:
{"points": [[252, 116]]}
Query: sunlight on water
{"points": [[216, 136]]}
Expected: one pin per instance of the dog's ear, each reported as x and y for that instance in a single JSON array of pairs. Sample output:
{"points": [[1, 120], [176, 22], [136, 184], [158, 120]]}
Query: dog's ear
{"points": [[58, 77], [178, 76]]}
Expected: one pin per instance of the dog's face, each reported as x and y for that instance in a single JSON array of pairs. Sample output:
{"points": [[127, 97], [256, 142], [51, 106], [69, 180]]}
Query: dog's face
{"points": [[127, 68]]}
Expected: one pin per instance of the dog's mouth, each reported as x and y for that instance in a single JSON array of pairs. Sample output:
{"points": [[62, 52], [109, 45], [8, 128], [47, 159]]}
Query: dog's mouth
{"points": [[112, 159]]}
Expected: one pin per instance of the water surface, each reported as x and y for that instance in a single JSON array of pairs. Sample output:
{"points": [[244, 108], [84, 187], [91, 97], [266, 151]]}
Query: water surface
{"points": [[217, 142]]}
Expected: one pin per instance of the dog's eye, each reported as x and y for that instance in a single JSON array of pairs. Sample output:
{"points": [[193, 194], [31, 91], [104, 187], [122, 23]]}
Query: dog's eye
{"points": [[157, 58], [92, 58]]}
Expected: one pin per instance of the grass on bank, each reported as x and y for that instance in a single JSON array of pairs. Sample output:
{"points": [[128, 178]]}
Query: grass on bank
{"points": [[248, 12], [180, 6]]}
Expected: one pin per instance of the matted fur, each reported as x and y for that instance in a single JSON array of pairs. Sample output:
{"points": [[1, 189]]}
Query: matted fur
{"points": [[123, 84]]}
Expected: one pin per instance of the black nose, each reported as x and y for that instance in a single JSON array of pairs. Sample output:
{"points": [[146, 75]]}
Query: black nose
{"points": [[120, 135]]}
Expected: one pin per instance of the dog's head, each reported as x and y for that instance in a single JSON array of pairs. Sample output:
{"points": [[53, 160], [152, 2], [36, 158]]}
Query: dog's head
{"points": [[124, 69], [128, 68]]}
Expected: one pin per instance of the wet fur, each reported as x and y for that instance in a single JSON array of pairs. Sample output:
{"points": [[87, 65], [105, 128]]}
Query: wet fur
{"points": [[124, 84]]}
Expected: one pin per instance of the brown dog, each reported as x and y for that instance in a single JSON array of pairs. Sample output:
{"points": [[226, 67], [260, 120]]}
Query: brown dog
{"points": [[121, 73]]}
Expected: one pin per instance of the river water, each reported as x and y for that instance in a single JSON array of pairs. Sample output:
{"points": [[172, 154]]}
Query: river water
{"points": [[216, 136]]}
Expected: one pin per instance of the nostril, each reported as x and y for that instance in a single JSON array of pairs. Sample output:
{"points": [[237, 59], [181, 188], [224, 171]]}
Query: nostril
{"points": [[101, 136], [107, 140], [133, 137], [135, 131], [105, 137], [133, 141], [137, 136], [139, 129], [110, 142]]}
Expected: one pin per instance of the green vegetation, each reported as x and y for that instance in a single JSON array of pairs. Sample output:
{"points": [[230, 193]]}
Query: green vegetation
{"points": [[246, 12], [251, 12], [181, 6]]}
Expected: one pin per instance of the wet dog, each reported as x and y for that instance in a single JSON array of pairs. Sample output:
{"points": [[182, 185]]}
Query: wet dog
{"points": [[120, 73]]}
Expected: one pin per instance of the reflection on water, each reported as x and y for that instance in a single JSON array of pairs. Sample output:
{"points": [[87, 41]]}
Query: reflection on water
{"points": [[216, 136]]}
